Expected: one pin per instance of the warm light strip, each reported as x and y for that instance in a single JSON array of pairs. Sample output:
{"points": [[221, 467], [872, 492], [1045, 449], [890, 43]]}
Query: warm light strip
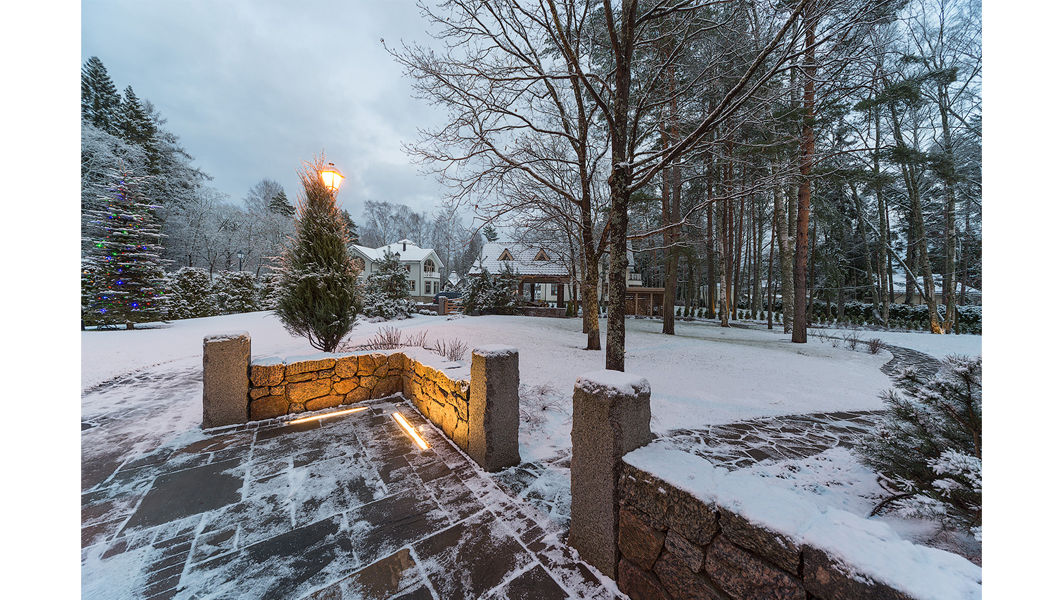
{"points": [[324, 416], [411, 431]]}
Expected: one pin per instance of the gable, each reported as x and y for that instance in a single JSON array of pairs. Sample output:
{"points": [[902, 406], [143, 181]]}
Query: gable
{"points": [[505, 255], [541, 255]]}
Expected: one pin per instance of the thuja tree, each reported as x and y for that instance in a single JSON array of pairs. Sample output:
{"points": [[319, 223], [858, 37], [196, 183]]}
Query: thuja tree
{"points": [[387, 293], [122, 276], [927, 447], [317, 295], [190, 294]]}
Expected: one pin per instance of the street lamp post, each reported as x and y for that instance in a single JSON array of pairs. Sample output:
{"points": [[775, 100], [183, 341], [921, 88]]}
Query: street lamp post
{"points": [[331, 177], [240, 255]]}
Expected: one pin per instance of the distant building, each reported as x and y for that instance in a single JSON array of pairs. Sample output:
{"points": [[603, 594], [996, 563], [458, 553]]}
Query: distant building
{"points": [[543, 274], [422, 264]]}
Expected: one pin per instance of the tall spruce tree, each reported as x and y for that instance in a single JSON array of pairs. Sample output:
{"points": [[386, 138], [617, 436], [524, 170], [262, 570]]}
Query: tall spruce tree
{"points": [[280, 205], [122, 276], [137, 127], [318, 296], [100, 101]]}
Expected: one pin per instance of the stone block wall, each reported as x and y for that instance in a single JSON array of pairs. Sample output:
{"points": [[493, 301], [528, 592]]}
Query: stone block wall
{"points": [[278, 389], [443, 401], [672, 545]]}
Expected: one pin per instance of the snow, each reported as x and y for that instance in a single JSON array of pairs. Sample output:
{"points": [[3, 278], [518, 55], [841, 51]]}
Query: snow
{"points": [[495, 351], [937, 346], [612, 383], [871, 547], [221, 337]]}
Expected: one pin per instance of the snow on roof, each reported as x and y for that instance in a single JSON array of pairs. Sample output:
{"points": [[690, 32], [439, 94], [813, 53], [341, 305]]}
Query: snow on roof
{"points": [[405, 249], [522, 259], [869, 546]]}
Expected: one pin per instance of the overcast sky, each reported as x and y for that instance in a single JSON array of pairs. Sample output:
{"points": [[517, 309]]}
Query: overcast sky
{"points": [[254, 88]]}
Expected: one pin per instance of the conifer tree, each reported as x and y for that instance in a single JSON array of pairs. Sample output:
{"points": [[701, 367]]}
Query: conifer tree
{"points": [[927, 446], [318, 296], [122, 276], [280, 205], [388, 291], [100, 102], [137, 127], [490, 233]]}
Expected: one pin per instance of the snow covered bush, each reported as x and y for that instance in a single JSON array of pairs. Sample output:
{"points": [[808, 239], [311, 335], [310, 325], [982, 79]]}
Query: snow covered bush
{"points": [[927, 448], [236, 292], [269, 297], [387, 291], [493, 293], [190, 294]]}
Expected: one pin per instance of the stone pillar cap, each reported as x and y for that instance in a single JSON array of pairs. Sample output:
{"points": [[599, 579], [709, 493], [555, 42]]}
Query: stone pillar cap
{"points": [[231, 335], [612, 383], [495, 350]]}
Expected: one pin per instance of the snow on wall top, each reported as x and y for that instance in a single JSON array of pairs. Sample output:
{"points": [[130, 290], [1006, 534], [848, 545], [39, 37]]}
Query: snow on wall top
{"points": [[220, 337], [611, 382], [495, 350], [454, 370], [870, 547]]}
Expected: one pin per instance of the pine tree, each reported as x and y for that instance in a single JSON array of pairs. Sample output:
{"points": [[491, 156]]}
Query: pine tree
{"points": [[318, 292], [928, 445], [100, 102], [122, 276], [137, 127], [354, 234], [280, 205], [490, 233], [387, 291]]}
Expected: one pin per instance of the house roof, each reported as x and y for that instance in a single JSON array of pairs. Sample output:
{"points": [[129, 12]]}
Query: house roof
{"points": [[523, 259], [405, 249]]}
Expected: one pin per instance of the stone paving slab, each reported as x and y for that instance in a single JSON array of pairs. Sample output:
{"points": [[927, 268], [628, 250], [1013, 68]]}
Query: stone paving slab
{"points": [[347, 507]]}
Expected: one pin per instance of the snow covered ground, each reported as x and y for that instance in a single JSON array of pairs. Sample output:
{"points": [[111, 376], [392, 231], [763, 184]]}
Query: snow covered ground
{"points": [[703, 375]]}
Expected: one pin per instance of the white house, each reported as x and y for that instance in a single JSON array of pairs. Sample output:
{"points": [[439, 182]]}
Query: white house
{"points": [[544, 275], [422, 264]]}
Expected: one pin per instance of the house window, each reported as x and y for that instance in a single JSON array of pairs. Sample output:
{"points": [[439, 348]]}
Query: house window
{"points": [[428, 266], [412, 282], [505, 255], [426, 287], [541, 255], [554, 289]]}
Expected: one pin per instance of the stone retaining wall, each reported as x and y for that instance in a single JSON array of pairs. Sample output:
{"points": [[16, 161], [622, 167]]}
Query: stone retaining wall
{"points": [[672, 545], [278, 389], [482, 419]]}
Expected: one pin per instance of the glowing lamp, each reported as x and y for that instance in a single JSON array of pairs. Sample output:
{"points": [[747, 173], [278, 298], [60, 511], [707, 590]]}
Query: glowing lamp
{"points": [[331, 177], [421, 443], [326, 415]]}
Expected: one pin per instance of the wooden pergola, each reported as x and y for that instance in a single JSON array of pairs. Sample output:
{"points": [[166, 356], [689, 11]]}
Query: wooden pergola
{"points": [[532, 280], [643, 300]]}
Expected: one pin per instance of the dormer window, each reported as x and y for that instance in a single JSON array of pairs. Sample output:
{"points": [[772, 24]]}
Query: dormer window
{"points": [[505, 255], [541, 255]]}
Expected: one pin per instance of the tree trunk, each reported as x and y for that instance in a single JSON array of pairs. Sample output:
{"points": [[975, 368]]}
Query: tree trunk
{"points": [[804, 191], [785, 260]]}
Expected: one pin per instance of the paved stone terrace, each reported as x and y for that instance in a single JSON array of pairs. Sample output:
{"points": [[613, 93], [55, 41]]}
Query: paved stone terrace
{"points": [[344, 508], [731, 445]]}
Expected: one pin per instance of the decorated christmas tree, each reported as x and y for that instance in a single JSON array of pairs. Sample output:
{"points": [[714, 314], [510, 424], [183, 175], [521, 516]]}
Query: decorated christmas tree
{"points": [[318, 297], [122, 276]]}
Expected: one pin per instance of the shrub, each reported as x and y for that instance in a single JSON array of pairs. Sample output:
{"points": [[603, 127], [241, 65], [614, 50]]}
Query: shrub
{"points": [[928, 446], [190, 295], [493, 293], [236, 292], [874, 345]]}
